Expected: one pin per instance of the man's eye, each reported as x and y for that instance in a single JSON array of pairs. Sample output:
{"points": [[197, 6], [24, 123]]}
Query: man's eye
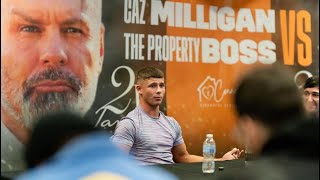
{"points": [[30, 29], [73, 30]]}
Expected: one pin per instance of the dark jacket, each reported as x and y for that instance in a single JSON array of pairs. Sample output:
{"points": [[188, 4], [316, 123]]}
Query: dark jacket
{"points": [[294, 151], [292, 154], [296, 141]]}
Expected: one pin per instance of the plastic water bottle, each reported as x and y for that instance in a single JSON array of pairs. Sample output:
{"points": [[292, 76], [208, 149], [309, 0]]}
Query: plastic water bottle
{"points": [[209, 152]]}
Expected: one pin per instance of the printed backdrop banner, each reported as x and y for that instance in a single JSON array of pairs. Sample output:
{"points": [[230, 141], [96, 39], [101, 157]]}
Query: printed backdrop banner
{"points": [[203, 47]]}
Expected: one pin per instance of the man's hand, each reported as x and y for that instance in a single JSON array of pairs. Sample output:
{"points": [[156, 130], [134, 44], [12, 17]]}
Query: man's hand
{"points": [[235, 153]]}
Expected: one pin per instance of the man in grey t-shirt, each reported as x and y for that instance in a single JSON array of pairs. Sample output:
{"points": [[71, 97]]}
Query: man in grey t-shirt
{"points": [[150, 136]]}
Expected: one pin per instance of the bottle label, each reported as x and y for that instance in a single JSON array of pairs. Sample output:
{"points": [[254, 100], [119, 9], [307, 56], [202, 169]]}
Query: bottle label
{"points": [[210, 149]]}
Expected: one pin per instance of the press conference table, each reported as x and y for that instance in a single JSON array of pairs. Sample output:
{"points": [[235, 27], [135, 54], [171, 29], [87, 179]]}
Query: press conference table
{"points": [[194, 170], [186, 171]]}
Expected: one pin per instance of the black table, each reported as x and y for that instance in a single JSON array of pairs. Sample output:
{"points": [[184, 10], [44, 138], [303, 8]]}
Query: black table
{"points": [[184, 171], [194, 170]]}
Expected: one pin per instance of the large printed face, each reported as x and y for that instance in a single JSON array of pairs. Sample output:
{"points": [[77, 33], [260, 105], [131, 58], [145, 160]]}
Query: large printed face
{"points": [[311, 98], [152, 91], [51, 56]]}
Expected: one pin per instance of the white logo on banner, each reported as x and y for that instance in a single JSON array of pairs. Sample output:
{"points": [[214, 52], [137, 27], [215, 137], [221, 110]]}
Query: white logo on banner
{"points": [[211, 91], [301, 73]]}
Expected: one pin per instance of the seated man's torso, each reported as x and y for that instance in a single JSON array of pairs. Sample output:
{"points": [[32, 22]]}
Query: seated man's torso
{"points": [[154, 137]]}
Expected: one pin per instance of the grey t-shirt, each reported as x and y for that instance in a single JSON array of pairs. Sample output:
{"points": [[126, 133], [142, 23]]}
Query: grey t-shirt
{"points": [[150, 139]]}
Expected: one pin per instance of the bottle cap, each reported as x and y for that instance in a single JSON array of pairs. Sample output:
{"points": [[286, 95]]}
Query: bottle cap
{"points": [[209, 135]]}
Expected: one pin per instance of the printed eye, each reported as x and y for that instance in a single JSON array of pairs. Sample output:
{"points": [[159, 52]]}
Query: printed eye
{"points": [[73, 30], [306, 93], [30, 29], [315, 94]]}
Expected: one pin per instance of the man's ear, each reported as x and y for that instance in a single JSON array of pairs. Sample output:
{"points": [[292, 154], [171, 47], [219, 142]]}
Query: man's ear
{"points": [[138, 88], [246, 126], [256, 134], [249, 123]]}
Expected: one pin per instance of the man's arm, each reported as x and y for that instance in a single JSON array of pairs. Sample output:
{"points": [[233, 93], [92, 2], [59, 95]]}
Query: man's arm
{"points": [[235, 153], [181, 155], [124, 147], [124, 135]]}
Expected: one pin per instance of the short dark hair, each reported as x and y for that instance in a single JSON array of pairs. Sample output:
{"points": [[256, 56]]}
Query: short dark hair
{"points": [[269, 95], [51, 132], [149, 72], [311, 82]]}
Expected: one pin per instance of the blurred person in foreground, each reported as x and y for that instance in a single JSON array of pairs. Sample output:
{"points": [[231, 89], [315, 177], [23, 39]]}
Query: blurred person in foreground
{"points": [[311, 95], [67, 146], [51, 58], [272, 124], [265, 170], [148, 134]]}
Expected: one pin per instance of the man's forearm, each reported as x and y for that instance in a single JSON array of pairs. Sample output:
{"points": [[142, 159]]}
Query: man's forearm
{"points": [[195, 158], [219, 159]]}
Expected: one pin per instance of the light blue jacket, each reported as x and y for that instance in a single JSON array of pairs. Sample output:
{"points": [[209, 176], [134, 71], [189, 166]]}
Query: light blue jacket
{"points": [[93, 156]]}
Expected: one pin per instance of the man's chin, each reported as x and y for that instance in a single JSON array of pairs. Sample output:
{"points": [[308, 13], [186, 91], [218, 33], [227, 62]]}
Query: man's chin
{"points": [[312, 109], [156, 104], [53, 107], [44, 104], [30, 116]]}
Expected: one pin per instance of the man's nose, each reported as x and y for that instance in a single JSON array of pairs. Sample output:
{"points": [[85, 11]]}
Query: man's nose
{"points": [[53, 50], [309, 98], [159, 89]]}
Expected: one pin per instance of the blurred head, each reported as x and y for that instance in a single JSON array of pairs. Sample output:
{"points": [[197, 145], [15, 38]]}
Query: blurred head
{"points": [[51, 132], [150, 86], [311, 94], [266, 100], [51, 56]]}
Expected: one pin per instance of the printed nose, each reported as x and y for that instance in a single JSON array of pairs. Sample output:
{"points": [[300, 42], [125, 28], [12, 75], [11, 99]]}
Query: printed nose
{"points": [[309, 98], [54, 59], [53, 52]]}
